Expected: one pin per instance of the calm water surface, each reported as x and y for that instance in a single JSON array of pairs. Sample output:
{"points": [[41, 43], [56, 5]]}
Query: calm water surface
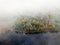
{"points": [[13, 38]]}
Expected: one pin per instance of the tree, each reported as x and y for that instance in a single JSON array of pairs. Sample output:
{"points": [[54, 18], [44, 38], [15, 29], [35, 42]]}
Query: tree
{"points": [[34, 24]]}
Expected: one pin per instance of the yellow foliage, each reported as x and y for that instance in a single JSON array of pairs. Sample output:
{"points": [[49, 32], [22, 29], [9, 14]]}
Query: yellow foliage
{"points": [[36, 25]]}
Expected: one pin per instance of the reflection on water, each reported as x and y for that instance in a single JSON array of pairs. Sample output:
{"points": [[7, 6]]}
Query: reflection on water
{"points": [[13, 38]]}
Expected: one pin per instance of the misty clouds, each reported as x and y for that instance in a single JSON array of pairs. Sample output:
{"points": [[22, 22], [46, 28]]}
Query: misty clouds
{"points": [[11, 9]]}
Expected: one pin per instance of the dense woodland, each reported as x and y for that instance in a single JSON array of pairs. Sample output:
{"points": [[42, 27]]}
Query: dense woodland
{"points": [[37, 24]]}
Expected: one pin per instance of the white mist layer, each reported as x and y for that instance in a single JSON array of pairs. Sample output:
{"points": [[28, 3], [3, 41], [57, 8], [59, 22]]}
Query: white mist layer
{"points": [[11, 9]]}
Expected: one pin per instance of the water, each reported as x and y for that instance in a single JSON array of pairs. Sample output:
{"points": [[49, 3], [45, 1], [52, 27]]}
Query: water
{"points": [[13, 38]]}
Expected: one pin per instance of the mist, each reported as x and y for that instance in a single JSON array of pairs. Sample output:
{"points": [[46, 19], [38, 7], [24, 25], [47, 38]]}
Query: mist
{"points": [[10, 10]]}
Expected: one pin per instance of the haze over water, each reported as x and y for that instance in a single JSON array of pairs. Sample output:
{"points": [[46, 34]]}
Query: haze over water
{"points": [[11, 9]]}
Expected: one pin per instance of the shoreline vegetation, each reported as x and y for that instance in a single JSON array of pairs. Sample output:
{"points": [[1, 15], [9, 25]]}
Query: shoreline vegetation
{"points": [[36, 24]]}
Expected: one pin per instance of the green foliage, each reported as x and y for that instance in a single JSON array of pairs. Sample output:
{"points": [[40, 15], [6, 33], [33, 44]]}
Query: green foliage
{"points": [[34, 24]]}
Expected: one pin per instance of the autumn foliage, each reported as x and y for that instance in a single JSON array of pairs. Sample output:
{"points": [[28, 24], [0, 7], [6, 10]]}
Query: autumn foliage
{"points": [[35, 24]]}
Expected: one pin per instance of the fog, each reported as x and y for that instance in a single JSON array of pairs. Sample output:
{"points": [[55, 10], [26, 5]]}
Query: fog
{"points": [[10, 10]]}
